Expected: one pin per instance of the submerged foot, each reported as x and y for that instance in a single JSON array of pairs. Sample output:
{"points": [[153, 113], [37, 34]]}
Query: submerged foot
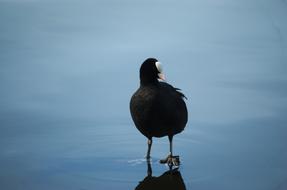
{"points": [[171, 160]]}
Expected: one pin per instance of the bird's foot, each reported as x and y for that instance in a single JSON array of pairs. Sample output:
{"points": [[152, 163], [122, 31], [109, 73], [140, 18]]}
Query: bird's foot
{"points": [[171, 160]]}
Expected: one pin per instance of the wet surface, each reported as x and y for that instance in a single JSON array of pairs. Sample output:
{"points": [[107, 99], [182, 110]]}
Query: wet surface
{"points": [[247, 155], [69, 68]]}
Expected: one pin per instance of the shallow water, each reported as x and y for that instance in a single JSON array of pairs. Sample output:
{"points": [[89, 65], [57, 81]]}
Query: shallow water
{"points": [[69, 68], [248, 155]]}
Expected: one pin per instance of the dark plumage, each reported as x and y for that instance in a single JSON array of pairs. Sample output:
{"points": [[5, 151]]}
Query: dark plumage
{"points": [[157, 108]]}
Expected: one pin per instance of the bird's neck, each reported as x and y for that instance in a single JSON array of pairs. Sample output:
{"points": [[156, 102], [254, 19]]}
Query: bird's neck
{"points": [[146, 81]]}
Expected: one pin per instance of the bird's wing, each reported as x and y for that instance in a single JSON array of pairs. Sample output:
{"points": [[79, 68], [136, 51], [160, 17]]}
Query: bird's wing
{"points": [[177, 90]]}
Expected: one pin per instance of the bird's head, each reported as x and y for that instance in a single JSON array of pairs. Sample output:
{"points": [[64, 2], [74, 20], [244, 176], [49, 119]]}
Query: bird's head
{"points": [[151, 71]]}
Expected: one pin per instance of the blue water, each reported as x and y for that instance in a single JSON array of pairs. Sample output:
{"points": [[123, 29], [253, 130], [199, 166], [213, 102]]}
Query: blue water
{"points": [[69, 68]]}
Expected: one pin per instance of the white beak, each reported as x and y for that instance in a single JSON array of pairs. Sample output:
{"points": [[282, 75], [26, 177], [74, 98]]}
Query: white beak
{"points": [[159, 68], [161, 76]]}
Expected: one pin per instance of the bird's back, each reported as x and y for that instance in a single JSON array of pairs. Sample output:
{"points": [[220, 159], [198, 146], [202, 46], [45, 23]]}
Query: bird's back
{"points": [[158, 110]]}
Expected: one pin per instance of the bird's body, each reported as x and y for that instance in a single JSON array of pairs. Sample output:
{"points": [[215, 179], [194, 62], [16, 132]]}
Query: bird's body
{"points": [[157, 108]]}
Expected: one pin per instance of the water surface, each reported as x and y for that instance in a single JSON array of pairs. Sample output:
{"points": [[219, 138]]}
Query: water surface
{"points": [[69, 68]]}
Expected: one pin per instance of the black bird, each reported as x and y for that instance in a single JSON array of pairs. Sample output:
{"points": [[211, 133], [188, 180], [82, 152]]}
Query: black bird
{"points": [[157, 108]]}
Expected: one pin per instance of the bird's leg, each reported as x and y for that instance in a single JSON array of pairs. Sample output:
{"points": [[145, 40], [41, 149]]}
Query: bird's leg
{"points": [[170, 144], [171, 160], [174, 160], [149, 143], [149, 170]]}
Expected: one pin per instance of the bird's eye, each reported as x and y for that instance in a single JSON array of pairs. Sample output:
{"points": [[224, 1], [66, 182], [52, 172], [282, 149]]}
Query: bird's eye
{"points": [[158, 66]]}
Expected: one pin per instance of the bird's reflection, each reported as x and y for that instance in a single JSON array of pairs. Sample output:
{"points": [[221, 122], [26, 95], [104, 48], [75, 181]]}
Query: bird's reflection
{"points": [[169, 180]]}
